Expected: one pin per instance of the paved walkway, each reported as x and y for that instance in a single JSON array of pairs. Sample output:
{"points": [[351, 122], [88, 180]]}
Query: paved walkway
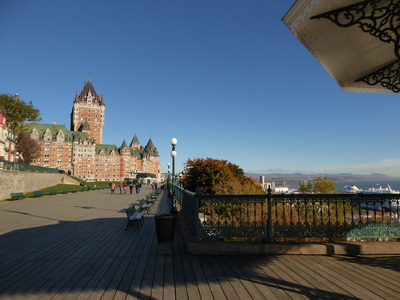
{"points": [[74, 246]]}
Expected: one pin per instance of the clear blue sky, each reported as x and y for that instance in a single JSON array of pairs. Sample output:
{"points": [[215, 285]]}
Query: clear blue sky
{"points": [[227, 78]]}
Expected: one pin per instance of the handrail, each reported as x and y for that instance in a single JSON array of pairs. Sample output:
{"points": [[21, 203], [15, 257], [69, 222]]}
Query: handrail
{"points": [[281, 217]]}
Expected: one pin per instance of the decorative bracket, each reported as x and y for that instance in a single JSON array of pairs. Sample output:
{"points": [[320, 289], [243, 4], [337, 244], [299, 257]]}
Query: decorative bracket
{"points": [[388, 77], [379, 18]]}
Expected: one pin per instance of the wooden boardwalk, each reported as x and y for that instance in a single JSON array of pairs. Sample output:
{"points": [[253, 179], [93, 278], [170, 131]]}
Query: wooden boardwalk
{"points": [[74, 246]]}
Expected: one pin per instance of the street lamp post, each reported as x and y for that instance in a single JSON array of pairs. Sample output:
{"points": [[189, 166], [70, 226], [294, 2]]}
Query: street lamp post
{"points": [[174, 141]]}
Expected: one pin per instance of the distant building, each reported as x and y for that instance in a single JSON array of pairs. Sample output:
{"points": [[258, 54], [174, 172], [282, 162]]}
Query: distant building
{"points": [[7, 142], [262, 181], [281, 189], [276, 188], [80, 151], [270, 185]]}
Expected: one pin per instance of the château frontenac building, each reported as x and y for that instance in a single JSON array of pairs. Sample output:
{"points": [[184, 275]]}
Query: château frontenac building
{"points": [[80, 152]]}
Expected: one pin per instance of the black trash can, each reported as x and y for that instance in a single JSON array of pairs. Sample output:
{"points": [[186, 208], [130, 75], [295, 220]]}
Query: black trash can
{"points": [[165, 228]]}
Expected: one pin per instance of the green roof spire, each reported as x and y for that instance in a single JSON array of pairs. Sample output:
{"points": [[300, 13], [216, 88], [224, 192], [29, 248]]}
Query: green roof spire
{"points": [[150, 149], [124, 145], [135, 141]]}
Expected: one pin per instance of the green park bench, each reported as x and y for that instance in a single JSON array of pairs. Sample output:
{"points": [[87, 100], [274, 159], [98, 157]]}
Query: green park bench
{"points": [[144, 205], [150, 199], [134, 216], [37, 194], [17, 195]]}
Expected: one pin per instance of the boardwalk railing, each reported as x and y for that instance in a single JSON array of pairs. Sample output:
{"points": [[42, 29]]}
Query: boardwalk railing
{"points": [[300, 217]]}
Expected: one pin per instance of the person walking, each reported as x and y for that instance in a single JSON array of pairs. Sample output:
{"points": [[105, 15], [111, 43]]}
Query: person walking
{"points": [[138, 186], [125, 187], [131, 187]]}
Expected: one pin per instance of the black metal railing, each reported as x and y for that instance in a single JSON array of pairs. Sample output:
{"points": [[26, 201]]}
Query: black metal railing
{"points": [[301, 217]]}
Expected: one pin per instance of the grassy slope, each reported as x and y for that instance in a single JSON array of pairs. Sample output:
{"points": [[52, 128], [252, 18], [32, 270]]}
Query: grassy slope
{"points": [[60, 187]]}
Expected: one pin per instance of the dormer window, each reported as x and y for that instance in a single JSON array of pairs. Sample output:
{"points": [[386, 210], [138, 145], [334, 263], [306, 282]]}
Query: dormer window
{"points": [[34, 134]]}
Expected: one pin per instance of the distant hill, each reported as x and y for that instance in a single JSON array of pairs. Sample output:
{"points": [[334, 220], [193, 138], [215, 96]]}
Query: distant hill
{"points": [[296, 177]]}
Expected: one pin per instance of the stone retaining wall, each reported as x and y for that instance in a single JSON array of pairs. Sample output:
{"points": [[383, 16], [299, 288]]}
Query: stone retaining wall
{"points": [[25, 182]]}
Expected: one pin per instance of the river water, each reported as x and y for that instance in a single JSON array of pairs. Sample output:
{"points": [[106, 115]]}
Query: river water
{"points": [[364, 185]]}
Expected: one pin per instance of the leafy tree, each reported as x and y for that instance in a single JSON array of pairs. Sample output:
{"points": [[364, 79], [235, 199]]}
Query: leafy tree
{"points": [[17, 112], [318, 185], [305, 187], [213, 176]]}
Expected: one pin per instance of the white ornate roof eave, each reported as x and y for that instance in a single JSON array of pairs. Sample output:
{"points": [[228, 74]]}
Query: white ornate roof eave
{"points": [[347, 54], [298, 12]]}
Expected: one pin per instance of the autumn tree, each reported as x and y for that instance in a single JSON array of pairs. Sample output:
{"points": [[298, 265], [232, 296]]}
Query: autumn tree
{"points": [[318, 185], [213, 176], [27, 147]]}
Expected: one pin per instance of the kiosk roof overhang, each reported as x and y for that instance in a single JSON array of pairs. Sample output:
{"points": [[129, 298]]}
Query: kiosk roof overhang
{"points": [[346, 52]]}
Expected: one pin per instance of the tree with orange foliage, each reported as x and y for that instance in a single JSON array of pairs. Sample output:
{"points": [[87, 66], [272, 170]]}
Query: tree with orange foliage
{"points": [[27, 147], [213, 176]]}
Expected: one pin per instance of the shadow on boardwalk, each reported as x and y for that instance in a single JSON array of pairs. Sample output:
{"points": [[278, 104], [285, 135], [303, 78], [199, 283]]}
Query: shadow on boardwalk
{"points": [[92, 256]]}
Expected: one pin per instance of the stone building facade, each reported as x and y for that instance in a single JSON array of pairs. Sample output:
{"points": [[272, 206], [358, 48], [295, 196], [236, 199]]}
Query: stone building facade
{"points": [[80, 151], [7, 142]]}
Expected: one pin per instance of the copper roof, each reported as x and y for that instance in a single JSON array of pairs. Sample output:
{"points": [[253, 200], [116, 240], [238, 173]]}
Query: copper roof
{"points": [[88, 87]]}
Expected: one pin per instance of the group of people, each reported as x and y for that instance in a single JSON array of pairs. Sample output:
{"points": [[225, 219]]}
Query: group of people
{"points": [[123, 187], [154, 186]]}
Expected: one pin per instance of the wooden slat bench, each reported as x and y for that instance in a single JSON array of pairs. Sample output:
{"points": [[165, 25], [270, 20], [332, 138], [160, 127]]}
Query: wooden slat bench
{"points": [[37, 194], [144, 205], [17, 195], [151, 199], [134, 216]]}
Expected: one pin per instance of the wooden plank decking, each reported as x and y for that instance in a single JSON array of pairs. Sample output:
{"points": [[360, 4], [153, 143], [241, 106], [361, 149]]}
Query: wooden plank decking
{"points": [[74, 246]]}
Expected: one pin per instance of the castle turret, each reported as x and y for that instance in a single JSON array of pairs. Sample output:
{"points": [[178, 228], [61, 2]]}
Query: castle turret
{"points": [[135, 143], [89, 108]]}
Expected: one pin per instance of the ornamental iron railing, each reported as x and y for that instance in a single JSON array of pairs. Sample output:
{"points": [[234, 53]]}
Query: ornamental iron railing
{"points": [[283, 218]]}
